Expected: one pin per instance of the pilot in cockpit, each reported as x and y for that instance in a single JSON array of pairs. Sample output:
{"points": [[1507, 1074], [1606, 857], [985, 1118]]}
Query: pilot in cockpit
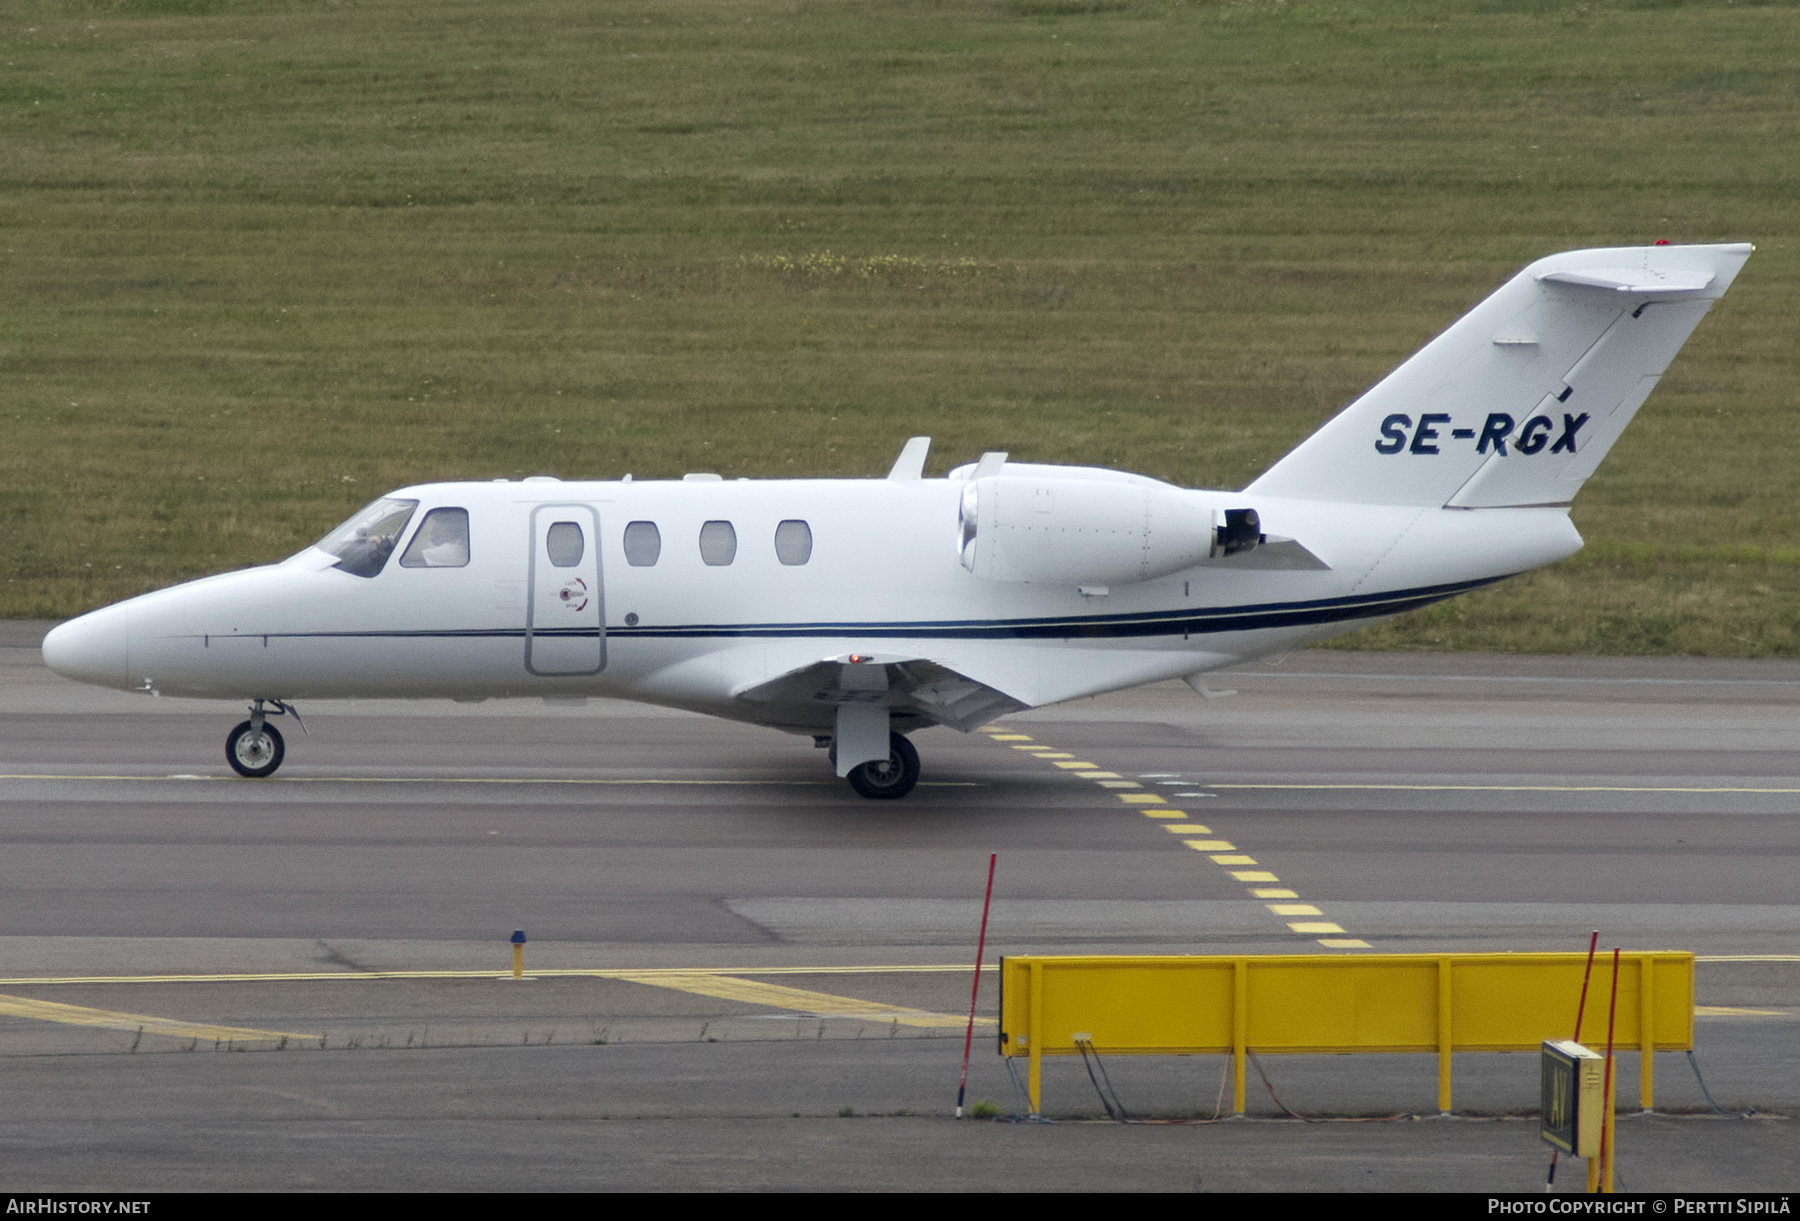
{"points": [[442, 541]]}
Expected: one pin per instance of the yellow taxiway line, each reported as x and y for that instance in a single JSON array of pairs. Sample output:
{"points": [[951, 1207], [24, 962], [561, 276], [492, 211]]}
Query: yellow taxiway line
{"points": [[722, 983], [775, 996], [714, 982], [80, 1015], [636, 974]]}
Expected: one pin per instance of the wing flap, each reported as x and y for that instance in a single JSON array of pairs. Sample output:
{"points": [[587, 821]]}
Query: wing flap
{"points": [[916, 690]]}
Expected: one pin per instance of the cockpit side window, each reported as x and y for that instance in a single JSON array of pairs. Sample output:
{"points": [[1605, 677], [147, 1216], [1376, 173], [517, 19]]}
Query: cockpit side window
{"points": [[442, 541], [364, 543]]}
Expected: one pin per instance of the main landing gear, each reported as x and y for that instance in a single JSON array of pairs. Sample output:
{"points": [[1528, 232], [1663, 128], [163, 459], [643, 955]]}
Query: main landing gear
{"points": [[255, 749], [889, 778]]}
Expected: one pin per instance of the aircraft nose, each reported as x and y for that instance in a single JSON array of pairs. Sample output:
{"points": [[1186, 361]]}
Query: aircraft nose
{"points": [[90, 649]]}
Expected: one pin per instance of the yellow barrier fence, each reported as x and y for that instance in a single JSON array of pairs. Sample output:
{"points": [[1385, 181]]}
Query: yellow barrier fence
{"points": [[1443, 1003]]}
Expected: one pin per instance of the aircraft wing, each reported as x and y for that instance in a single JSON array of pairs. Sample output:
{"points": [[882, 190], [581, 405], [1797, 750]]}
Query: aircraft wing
{"points": [[916, 690]]}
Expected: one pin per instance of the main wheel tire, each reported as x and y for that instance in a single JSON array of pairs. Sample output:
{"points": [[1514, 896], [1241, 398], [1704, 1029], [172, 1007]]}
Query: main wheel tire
{"points": [[887, 779], [255, 753]]}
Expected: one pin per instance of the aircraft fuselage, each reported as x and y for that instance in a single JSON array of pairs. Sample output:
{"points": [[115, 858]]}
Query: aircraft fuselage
{"points": [[881, 578]]}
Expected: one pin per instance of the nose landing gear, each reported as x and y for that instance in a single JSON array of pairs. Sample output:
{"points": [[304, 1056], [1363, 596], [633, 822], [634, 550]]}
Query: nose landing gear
{"points": [[255, 749]]}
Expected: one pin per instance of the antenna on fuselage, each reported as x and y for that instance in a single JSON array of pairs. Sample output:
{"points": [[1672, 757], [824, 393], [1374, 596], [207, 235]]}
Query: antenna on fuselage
{"points": [[990, 464], [910, 465]]}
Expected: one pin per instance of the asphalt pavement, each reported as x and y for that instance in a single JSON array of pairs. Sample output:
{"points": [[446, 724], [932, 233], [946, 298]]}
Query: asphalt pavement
{"points": [[746, 977]]}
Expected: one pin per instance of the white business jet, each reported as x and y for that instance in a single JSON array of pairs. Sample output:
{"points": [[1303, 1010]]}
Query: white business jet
{"points": [[861, 610]]}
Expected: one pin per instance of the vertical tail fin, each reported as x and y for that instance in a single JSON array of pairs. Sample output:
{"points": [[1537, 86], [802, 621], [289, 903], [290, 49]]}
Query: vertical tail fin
{"points": [[1519, 400]]}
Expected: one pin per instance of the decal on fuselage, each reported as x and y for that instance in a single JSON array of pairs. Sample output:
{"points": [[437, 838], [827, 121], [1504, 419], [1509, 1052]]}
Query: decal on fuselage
{"points": [[574, 594], [1399, 435]]}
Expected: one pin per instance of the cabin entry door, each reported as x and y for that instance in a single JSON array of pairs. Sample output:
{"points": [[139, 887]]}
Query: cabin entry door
{"points": [[565, 612]]}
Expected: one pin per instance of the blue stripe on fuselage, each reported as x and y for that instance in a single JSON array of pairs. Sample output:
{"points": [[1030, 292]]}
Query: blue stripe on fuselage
{"points": [[1145, 623]]}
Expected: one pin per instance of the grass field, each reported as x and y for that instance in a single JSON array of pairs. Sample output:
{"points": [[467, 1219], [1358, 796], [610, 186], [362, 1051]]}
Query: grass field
{"points": [[265, 260]]}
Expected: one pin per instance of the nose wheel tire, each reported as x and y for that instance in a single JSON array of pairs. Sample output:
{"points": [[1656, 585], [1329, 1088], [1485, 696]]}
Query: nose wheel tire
{"points": [[886, 779], [255, 752]]}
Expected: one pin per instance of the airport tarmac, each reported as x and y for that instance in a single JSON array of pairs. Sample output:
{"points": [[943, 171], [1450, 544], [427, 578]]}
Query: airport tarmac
{"points": [[747, 977]]}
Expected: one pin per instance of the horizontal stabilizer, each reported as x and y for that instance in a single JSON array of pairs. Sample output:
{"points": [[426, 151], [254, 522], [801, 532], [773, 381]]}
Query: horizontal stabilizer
{"points": [[1635, 281]]}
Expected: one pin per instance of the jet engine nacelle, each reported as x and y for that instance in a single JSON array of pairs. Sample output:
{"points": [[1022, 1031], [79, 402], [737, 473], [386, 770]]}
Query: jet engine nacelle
{"points": [[1076, 531]]}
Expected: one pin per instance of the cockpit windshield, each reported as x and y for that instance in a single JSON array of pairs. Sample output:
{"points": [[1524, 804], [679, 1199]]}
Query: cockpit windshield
{"points": [[364, 543]]}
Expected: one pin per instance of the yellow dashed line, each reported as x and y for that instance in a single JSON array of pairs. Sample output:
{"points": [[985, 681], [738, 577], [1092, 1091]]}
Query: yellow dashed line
{"points": [[1730, 1011], [1011, 737], [1221, 852]]}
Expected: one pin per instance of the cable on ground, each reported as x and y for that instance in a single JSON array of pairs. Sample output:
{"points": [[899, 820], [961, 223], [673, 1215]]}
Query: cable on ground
{"points": [[1020, 1097], [1717, 1109], [1285, 1108], [1121, 1115]]}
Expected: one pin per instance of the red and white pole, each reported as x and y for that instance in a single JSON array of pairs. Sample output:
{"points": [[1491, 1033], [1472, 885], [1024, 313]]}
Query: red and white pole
{"points": [[975, 988]]}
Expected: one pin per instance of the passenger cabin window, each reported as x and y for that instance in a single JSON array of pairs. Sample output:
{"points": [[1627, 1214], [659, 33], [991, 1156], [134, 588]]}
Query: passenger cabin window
{"points": [[718, 543], [793, 543], [643, 544], [565, 544], [442, 541], [364, 543]]}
